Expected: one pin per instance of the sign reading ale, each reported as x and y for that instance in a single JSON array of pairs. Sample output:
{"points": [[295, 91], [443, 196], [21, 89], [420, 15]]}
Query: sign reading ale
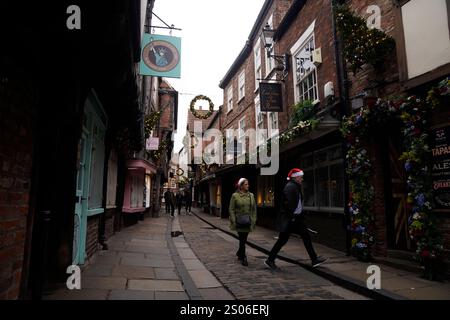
{"points": [[270, 97], [441, 167]]}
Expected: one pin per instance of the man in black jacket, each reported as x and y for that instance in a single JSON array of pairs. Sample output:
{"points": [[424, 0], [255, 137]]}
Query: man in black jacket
{"points": [[291, 219]]}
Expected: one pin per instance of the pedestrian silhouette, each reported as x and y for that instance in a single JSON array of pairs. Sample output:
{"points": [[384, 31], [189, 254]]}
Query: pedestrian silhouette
{"points": [[291, 218], [242, 211]]}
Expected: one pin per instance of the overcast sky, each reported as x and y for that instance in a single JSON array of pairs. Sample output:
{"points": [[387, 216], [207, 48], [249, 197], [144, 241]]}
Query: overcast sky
{"points": [[213, 34]]}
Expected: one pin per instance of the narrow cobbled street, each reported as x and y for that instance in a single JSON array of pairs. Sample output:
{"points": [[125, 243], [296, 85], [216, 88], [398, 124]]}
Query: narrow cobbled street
{"points": [[176, 259]]}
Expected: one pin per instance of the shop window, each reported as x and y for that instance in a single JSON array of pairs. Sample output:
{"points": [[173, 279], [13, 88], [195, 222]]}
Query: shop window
{"points": [[323, 184], [265, 194]]}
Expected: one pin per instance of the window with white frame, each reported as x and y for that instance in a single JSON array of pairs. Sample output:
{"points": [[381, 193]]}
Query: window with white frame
{"points": [[270, 62], [230, 98], [229, 143], [241, 134], [306, 72], [257, 57], [259, 121], [272, 123], [241, 85]]}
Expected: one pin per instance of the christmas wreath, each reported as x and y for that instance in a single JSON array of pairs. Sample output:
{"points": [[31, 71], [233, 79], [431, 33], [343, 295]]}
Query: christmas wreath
{"points": [[198, 115]]}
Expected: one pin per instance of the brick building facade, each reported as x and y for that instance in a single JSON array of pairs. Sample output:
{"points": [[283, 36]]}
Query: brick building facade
{"points": [[305, 26]]}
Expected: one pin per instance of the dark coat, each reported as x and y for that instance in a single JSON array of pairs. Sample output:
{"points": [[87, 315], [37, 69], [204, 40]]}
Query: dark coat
{"points": [[292, 193]]}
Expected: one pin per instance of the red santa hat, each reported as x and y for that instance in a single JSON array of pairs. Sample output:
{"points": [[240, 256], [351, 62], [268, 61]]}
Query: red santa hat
{"points": [[295, 173]]}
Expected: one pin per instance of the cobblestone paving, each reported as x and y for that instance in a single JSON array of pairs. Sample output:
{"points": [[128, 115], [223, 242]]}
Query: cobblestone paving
{"points": [[291, 282]]}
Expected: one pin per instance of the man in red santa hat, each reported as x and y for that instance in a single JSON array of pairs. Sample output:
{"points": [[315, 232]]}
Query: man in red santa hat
{"points": [[292, 219]]}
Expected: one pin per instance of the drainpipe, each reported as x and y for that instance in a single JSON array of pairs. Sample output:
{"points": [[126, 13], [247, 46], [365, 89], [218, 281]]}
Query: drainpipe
{"points": [[343, 84]]}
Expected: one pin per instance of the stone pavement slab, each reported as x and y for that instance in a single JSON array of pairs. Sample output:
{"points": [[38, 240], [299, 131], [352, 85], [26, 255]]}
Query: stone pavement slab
{"points": [[193, 264], [99, 270], [204, 279], [156, 285], [131, 295], [171, 296], [85, 294], [166, 274], [107, 283], [216, 294], [134, 272]]}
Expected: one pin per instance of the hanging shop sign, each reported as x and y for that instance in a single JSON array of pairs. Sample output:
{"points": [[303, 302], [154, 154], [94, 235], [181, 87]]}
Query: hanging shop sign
{"points": [[441, 167], [152, 144], [270, 97], [160, 56]]}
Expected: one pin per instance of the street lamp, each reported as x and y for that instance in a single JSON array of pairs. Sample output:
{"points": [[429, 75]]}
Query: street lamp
{"points": [[267, 39]]}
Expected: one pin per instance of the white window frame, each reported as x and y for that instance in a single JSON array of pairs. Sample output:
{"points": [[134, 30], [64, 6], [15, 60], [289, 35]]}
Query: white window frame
{"points": [[241, 133], [273, 131], [229, 156], [241, 86], [229, 98], [259, 122], [302, 41], [258, 66]]}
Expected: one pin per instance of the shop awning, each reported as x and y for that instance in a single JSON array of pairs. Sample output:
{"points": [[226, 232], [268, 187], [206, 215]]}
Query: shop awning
{"points": [[140, 164]]}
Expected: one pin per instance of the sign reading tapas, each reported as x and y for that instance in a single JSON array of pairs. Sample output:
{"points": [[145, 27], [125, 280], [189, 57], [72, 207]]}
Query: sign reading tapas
{"points": [[441, 167]]}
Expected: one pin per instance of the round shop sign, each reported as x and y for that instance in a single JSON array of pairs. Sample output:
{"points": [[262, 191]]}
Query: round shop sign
{"points": [[160, 55]]}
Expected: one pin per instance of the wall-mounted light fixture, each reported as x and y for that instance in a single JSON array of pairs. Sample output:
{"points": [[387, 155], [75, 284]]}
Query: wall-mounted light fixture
{"points": [[267, 39]]}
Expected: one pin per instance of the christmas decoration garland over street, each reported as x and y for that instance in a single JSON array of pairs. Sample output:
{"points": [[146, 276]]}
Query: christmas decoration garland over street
{"points": [[198, 115]]}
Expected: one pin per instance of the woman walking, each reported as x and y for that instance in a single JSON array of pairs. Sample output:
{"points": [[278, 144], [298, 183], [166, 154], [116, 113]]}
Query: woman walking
{"points": [[242, 216]]}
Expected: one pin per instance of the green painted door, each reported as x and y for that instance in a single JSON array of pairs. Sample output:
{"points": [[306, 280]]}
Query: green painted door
{"points": [[80, 201], [88, 197]]}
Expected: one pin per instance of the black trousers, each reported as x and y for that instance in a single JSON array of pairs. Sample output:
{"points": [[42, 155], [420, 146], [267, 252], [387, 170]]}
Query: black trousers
{"points": [[188, 207], [179, 208], [172, 210], [242, 240], [297, 225], [167, 207]]}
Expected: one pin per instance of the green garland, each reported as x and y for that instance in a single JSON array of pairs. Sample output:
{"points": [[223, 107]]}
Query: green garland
{"points": [[150, 122], [198, 115], [361, 44], [156, 154]]}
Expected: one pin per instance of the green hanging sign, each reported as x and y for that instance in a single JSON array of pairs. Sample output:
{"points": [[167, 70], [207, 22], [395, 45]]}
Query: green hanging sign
{"points": [[160, 56]]}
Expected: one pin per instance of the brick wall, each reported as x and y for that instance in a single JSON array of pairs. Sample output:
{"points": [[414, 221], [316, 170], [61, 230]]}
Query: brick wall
{"points": [[246, 106], [109, 222], [379, 209], [92, 244], [364, 79], [15, 180], [320, 11]]}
